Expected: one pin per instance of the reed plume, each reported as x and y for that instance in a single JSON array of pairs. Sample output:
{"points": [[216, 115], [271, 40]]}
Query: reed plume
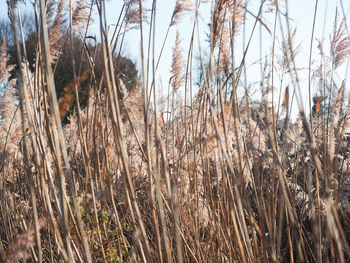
{"points": [[133, 15], [81, 15], [4, 67], [19, 248], [56, 28], [340, 43], [177, 77], [181, 7]]}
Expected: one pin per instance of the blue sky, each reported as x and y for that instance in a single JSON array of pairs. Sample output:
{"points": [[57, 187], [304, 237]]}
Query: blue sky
{"points": [[300, 11], [301, 14]]}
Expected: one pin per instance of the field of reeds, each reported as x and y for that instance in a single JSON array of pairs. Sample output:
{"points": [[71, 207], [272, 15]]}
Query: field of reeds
{"points": [[207, 172]]}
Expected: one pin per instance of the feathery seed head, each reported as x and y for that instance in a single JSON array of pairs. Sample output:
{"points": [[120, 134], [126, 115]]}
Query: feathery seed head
{"points": [[133, 16], [176, 66], [340, 43], [181, 7]]}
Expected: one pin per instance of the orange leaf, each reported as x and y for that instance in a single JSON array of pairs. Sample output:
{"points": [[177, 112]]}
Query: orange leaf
{"points": [[318, 106]]}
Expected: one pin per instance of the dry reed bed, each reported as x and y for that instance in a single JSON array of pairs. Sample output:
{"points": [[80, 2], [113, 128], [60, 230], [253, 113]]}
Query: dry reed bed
{"points": [[137, 178]]}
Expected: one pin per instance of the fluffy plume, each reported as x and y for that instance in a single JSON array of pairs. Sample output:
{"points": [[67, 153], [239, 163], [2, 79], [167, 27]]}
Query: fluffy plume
{"points": [[18, 249], [223, 61], [289, 52], [10, 121], [177, 77], [56, 29], [221, 30], [80, 15], [50, 11], [340, 43], [336, 115], [181, 7], [225, 12], [4, 68], [8, 102], [133, 16]]}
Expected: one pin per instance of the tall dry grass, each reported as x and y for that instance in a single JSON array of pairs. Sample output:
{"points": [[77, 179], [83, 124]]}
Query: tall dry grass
{"points": [[195, 176]]}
